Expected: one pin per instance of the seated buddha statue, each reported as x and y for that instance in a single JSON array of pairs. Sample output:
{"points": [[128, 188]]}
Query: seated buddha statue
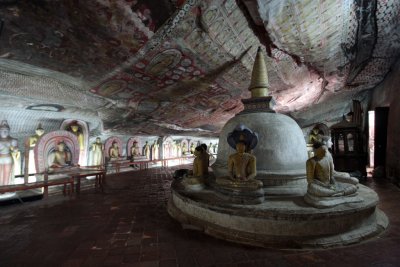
{"points": [[200, 168], [343, 177], [135, 149], [320, 175], [241, 165], [60, 157], [113, 152]]}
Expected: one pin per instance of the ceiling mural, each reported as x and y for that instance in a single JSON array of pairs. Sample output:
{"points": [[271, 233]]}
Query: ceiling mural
{"points": [[173, 66]]}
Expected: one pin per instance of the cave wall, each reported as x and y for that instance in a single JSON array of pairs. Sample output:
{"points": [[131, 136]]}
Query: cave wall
{"points": [[386, 94]]}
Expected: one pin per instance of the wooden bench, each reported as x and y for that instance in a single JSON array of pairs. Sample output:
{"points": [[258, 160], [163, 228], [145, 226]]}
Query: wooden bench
{"points": [[65, 180]]}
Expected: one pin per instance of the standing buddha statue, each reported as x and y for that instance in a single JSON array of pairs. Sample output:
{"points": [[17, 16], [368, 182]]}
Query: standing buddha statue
{"points": [[32, 143], [7, 146]]}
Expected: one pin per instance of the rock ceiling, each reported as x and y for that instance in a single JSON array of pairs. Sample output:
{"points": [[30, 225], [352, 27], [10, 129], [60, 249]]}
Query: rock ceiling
{"points": [[172, 67]]}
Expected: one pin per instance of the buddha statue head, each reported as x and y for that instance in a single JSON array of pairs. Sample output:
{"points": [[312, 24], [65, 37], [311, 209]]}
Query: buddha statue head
{"points": [[74, 127], [198, 150], [327, 141], [98, 140], [4, 130], [241, 147], [244, 137], [115, 144], [39, 130], [61, 146]]}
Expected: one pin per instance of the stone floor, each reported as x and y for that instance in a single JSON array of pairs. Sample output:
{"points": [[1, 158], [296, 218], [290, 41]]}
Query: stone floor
{"points": [[128, 225]]}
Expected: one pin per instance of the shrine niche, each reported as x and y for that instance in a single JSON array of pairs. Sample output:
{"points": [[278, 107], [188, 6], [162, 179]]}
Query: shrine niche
{"points": [[168, 148], [133, 147], [96, 150], [59, 148], [185, 147], [192, 146], [113, 148], [80, 130], [348, 149], [155, 150]]}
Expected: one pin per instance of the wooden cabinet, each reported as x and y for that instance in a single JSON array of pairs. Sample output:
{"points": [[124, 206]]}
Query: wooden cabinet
{"points": [[348, 147]]}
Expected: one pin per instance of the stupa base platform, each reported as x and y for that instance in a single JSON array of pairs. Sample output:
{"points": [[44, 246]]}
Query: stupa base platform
{"points": [[284, 222]]}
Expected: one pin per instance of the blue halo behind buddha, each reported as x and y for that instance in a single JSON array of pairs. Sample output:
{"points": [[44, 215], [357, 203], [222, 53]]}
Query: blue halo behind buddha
{"points": [[243, 134]]}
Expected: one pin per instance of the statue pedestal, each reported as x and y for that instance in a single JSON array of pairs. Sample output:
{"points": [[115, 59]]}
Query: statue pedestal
{"points": [[285, 222], [139, 158], [193, 183], [247, 193], [325, 202]]}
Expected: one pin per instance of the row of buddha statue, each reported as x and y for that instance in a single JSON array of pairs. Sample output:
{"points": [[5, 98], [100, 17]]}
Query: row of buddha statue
{"points": [[323, 180]]}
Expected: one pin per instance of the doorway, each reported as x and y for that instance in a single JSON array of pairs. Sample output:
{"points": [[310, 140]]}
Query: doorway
{"points": [[380, 140]]}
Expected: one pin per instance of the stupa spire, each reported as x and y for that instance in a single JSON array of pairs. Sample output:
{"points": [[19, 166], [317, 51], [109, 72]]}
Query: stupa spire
{"points": [[259, 77]]}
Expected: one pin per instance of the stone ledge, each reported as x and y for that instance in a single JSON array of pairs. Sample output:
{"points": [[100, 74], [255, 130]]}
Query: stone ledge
{"points": [[286, 222]]}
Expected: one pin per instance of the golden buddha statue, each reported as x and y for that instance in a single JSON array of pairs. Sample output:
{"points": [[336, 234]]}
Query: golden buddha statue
{"points": [[76, 130], [192, 148], [315, 136], [135, 149], [60, 157], [146, 150], [201, 162], [96, 152], [113, 152], [7, 146], [242, 168], [155, 150], [184, 148], [200, 169], [32, 143], [242, 165], [320, 175]]}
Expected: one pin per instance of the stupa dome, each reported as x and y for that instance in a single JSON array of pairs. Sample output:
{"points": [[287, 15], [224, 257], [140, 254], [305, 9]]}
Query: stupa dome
{"points": [[281, 151]]}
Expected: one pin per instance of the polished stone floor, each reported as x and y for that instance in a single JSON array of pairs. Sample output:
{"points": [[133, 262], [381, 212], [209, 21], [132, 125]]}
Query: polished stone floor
{"points": [[128, 225]]}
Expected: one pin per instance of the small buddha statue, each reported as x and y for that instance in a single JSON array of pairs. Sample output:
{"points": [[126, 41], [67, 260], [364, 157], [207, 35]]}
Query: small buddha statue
{"points": [[155, 150], [184, 148], [7, 146], [315, 136], [60, 157], [135, 149], [32, 143], [215, 148], [192, 148], [146, 150], [179, 149], [113, 152], [96, 152], [320, 175], [209, 150], [76, 130], [195, 179]]}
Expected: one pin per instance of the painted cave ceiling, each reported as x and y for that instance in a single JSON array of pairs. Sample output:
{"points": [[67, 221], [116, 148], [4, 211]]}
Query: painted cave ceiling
{"points": [[172, 67]]}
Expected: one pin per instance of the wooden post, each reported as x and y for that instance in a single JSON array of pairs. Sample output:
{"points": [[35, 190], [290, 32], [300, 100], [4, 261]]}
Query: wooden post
{"points": [[26, 167], [46, 186]]}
